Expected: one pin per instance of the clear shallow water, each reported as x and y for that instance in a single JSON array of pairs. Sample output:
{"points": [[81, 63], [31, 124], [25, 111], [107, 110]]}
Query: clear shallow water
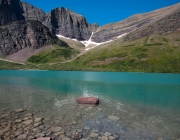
{"points": [[148, 103]]}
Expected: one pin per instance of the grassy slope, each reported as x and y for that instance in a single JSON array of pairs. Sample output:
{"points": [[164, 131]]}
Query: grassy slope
{"points": [[155, 53], [59, 54], [74, 44], [9, 65]]}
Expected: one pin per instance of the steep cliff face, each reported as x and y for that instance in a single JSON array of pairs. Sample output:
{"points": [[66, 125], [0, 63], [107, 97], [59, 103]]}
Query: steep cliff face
{"points": [[33, 13], [47, 21], [70, 24], [21, 34], [111, 31], [61, 21], [93, 27], [10, 11]]}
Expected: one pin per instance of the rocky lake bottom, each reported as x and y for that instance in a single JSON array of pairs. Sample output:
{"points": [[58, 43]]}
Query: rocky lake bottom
{"points": [[43, 104], [72, 121]]}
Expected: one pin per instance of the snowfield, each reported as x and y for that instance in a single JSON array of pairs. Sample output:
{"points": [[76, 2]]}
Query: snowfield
{"points": [[90, 42]]}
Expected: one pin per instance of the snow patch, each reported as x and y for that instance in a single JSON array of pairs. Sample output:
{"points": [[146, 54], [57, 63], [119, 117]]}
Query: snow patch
{"points": [[90, 42], [121, 35], [61, 36]]}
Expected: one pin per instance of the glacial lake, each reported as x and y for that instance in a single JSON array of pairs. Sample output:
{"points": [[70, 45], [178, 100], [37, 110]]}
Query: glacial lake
{"points": [[147, 105]]}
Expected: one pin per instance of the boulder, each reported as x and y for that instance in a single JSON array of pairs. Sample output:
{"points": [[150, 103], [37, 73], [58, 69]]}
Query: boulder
{"points": [[22, 137], [19, 110], [93, 135], [44, 138], [88, 100], [114, 118]]}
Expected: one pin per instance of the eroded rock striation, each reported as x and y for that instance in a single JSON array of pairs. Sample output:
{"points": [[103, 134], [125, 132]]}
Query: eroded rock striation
{"points": [[21, 34], [165, 25], [111, 31]]}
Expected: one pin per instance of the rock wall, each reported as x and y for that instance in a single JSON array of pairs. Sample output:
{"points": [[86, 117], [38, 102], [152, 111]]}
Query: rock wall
{"points": [[21, 34], [10, 11], [33, 13], [70, 24]]}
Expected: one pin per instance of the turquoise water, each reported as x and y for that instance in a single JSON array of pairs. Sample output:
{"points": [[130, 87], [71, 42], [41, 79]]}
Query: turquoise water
{"points": [[141, 101]]}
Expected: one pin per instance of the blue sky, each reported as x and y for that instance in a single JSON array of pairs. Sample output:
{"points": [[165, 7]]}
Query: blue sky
{"points": [[104, 11]]}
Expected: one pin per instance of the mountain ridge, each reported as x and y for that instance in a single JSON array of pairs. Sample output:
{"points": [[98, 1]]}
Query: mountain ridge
{"points": [[112, 30], [130, 44]]}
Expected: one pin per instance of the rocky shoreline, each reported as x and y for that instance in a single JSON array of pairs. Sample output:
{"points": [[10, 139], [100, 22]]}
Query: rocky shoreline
{"points": [[20, 124]]}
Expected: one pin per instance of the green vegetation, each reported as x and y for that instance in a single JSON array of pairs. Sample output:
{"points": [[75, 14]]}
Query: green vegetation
{"points": [[142, 55], [136, 56], [155, 44], [59, 54], [121, 55], [165, 39], [9, 65], [146, 40], [162, 55], [140, 49], [128, 45]]}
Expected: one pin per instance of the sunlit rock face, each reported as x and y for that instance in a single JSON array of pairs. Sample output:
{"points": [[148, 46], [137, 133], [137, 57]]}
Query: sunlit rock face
{"points": [[70, 24], [31, 12], [21, 34], [61, 21]]}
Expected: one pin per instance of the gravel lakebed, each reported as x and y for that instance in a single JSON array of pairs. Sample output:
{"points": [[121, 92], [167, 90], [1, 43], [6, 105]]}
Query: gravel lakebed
{"points": [[87, 123]]}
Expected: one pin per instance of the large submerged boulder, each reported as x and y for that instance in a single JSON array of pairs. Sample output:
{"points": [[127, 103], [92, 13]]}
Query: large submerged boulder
{"points": [[88, 100]]}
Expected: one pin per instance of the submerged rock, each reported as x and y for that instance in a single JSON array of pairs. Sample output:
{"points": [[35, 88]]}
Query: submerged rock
{"points": [[19, 110], [114, 118], [18, 121], [107, 134], [48, 138], [88, 100], [94, 135], [37, 120], [104, 138], [28, 122], [56, 129], [28, 115], [22, 137], [40, 135]]}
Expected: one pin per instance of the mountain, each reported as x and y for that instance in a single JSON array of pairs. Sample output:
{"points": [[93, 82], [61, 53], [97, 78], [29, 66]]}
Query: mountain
{"points": [[10, 11], [21, 27], [111, 31], [31, 12], [69, 24], [152, 47], [150, 41], [61, 21], [168, 24], [21, 34]]}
